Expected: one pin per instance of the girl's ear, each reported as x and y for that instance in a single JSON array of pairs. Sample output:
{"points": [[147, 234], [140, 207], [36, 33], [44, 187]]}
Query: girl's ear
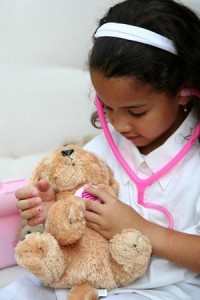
{"points": [[184, 100], [185, 95]]}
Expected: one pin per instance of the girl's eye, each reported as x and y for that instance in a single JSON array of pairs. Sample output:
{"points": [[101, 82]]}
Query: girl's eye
{"points": [[133, 114], [107, 108], [136, 115]]}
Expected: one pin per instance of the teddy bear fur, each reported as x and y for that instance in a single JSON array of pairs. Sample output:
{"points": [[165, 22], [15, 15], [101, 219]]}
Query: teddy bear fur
{"points": [[24, 228], [68, 254]]}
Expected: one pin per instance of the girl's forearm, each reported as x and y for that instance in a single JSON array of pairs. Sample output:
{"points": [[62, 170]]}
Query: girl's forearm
{"points": [[180, 248]]}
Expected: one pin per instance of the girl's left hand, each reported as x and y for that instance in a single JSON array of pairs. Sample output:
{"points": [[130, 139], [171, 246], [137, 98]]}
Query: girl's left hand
{"points": [[111, 215]]}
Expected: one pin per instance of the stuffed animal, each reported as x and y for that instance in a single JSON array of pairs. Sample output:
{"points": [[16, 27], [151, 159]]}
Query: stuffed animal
{"points": [[68, 254], [24, 228]]}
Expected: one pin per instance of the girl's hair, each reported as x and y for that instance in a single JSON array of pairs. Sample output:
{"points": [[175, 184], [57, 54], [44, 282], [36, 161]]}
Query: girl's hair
{"points": [[115, 57]]}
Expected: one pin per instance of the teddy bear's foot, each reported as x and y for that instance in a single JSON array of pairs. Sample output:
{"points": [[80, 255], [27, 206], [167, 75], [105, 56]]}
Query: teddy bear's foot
{"points": [[41, 255], [83, 291], [131, 250]]}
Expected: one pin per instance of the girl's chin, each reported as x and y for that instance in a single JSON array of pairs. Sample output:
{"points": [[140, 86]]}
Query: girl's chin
{"points": [[144, 146], [137, 140]]}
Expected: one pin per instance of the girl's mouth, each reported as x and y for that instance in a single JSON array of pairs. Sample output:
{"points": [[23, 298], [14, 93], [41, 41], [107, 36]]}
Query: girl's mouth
{"points": [[133, 138]]}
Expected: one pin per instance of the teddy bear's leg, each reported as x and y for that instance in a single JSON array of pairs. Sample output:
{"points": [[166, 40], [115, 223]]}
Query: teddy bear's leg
{"points": [[83, 291], [41, 255], [131, 250]]}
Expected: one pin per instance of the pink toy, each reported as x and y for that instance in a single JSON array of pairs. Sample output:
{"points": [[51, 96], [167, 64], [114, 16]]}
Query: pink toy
{"points": [[83, 194], [9, 220]]}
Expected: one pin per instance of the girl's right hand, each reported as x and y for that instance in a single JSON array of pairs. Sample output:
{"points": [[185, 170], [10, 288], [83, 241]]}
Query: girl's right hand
{"points": [[34, 203]]}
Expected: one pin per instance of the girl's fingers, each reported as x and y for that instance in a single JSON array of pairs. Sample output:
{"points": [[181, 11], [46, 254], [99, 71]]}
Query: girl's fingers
{"points": [[26, 192], [93, 207], [45, 191], [93, 226], [28, 203], [31, 213], [101, 194], [91, 215], [36, 220]]}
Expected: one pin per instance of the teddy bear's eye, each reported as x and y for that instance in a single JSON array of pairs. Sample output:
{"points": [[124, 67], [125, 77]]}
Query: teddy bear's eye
{"points": [[67, 152]]}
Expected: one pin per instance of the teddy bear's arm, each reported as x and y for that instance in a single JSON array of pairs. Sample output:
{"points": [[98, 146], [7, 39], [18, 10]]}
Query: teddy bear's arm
{"points": [[65, 220]]}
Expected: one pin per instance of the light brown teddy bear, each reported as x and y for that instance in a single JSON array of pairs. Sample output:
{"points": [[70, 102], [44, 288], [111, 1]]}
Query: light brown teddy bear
{"points": [[68, 254]]}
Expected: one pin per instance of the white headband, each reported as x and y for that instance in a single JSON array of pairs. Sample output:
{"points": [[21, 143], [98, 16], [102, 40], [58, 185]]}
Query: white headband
{"points": [[137, 34]]}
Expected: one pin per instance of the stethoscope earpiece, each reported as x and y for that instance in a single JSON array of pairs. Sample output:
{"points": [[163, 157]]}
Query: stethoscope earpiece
{"points": [[187, 91]]}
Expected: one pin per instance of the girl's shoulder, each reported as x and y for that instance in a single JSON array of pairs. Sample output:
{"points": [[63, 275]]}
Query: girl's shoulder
{"points": [[96, 145], [99, 145]]}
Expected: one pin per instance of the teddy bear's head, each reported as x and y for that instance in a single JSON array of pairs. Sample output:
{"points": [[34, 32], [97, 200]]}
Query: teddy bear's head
{"points": [[70, 167]]}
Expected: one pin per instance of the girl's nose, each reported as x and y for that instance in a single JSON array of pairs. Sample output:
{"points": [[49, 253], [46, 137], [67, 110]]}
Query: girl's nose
{"points": [[122, 123]]}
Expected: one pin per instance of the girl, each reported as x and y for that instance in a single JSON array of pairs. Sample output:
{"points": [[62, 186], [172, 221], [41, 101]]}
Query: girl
{"points": [[144, 68]]}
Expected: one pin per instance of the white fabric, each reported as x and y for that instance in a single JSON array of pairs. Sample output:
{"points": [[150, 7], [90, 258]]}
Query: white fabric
{"points": [[61, 295], [27, 288], [31, 288], [137, 34], [178, 191]]}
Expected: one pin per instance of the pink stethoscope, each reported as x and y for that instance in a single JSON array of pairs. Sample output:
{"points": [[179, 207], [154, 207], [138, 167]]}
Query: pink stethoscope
{"points": [[142, 184]]}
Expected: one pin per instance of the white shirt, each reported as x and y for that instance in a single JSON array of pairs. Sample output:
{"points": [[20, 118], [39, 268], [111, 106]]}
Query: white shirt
{"points": [[178, 191]]}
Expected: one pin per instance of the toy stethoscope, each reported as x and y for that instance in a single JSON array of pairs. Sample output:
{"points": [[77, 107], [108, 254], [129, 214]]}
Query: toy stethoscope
{"points": [[142, 184]]}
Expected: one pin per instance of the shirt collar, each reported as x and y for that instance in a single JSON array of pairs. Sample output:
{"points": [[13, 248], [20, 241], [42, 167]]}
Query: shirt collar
{"points": [[165, 152]]}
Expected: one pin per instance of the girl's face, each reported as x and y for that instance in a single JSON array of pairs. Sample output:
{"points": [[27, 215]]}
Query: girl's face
{"points": [[138, 112]]}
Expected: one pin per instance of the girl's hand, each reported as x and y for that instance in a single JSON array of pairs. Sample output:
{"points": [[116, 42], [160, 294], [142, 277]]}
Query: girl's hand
{"points": [[111, 215], [34, 203]]}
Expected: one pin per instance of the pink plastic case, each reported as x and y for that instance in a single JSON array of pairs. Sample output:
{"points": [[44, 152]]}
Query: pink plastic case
{"points": [[9, 220]]}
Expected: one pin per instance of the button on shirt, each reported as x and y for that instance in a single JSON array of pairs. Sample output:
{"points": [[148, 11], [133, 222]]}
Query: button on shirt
{"points": [[178, 191]]}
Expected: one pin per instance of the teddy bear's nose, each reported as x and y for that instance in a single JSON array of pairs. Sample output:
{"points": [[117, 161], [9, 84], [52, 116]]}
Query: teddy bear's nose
{"points": [[67, 152]]}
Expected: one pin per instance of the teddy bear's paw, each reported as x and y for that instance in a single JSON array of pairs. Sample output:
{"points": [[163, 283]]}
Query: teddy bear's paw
{"points": [[70, 222], [83, 292], [131, 250], [41, 255]]}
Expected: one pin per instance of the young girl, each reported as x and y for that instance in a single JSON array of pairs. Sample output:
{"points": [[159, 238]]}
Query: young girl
{"points": [[144, 68]]}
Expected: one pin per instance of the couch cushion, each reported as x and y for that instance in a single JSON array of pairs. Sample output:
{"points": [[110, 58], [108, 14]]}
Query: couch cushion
{"points": [[42, 108]]}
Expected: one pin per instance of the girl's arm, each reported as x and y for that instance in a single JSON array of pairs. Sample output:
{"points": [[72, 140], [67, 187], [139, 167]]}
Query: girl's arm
{"points": [[112, 215], [177, 247]]}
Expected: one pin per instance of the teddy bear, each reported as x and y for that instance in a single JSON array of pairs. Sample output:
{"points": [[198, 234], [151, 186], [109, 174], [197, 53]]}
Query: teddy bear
{"points": [[68, 254], [24, 228]]}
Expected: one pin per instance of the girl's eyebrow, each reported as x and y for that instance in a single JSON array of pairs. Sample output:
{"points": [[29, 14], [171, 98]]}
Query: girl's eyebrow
{"points": [[128, 106], [135, 106]]}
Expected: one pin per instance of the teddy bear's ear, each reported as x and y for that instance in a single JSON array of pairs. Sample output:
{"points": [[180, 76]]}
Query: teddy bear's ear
{"points": [[36, 174], [40, 170]]}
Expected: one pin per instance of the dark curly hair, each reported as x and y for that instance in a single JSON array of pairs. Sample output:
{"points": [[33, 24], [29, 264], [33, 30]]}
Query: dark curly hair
{"points": [[115, 57]]}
